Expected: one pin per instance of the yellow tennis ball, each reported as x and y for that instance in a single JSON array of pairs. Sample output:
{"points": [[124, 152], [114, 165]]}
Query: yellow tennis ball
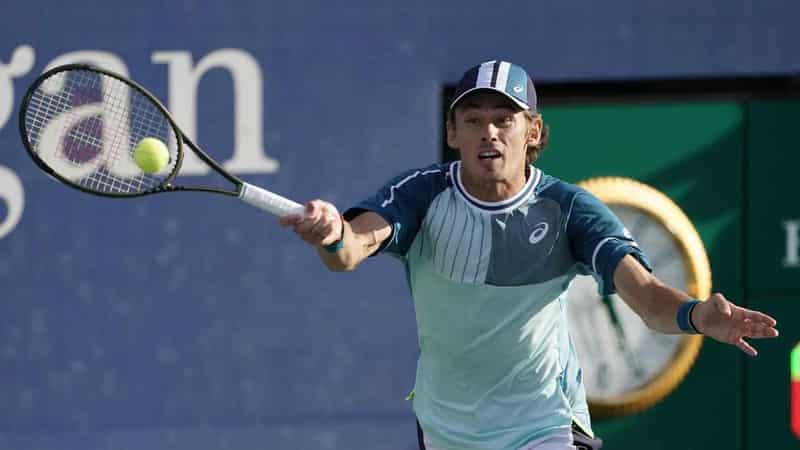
{"points": [[151, 155]]}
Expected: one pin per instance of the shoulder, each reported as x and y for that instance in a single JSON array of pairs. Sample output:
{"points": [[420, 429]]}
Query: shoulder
{"points": [[409, 192], [561, 191], [576, 203], [431, 179], [431, 173]]}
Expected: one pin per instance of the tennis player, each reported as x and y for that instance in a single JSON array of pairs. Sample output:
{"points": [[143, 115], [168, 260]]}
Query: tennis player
{"points": [[490, 244]]}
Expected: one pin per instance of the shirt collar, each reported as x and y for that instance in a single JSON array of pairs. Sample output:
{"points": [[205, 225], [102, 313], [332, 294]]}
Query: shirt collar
{"points": [[519, 199]]}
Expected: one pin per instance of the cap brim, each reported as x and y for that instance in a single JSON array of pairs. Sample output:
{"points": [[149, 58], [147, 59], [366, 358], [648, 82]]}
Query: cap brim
{"points": [[519, 102]]}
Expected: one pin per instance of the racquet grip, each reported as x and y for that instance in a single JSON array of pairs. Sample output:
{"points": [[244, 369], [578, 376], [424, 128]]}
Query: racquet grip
{"points": [[269, 201]]}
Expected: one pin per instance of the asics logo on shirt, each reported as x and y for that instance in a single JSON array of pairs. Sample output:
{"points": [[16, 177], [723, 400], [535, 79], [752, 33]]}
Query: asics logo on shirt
{"points": [[539, 232]]}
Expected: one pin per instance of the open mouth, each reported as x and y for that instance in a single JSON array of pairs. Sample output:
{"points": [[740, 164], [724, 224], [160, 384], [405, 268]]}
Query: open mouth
{"points": [[491, 154]]}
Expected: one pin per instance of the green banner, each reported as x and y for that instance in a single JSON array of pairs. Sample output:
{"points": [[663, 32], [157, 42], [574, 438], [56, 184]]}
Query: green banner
{"points": [[773, 206]]}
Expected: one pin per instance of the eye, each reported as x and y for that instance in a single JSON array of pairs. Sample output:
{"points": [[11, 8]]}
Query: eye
{"points": [[471, 120], [505, 121]]}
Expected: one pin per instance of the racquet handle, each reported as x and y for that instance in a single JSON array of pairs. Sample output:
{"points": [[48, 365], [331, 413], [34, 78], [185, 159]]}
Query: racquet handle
{"points": [[269, 201]]}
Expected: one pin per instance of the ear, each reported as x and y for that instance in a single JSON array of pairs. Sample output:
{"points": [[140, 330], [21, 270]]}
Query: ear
{"points": [[451, 135], [535, 130]]}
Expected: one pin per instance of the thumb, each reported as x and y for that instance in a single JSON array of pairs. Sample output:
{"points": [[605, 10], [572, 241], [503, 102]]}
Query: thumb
{"points": [[721, 304], [312, 209]]}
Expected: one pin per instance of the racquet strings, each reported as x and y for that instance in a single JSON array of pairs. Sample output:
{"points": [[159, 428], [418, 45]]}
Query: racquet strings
{"points": [[85, 125]]}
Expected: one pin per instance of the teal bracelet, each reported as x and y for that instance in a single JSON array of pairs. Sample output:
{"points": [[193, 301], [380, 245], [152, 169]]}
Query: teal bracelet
{"points": [[335, 247], [684, 317]]}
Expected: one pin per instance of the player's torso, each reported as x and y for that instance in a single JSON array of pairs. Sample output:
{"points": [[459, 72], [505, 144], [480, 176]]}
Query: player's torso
{"points": [[518, 242], [474, 265], [487, 281]]}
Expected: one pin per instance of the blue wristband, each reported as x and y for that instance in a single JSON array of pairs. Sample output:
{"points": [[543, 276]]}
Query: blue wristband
{"points": [[684, 317]]}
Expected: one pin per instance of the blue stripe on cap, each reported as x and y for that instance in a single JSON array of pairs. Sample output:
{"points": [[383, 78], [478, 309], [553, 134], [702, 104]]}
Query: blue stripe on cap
{"points": [[471, 77], [495, 71]]}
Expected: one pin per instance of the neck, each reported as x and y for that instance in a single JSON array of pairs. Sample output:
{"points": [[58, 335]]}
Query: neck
{"points": [[495, 190]]}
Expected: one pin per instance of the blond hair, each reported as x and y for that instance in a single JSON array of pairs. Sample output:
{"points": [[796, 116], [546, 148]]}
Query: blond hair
{"points": [[533, 151]]}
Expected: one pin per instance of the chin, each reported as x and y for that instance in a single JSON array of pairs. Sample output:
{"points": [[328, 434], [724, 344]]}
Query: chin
{"points": [[483, 173], [493, 176]]}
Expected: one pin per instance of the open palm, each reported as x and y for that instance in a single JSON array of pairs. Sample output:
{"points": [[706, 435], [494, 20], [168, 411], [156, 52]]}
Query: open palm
{"points": [[731, 324]]}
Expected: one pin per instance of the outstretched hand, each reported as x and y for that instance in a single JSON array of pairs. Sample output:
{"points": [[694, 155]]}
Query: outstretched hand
{"points": [[320, 224], [731, 324]]}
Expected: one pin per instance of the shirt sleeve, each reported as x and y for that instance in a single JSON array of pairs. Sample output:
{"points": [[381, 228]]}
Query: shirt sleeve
{"points": [[599, 240], [402, 202]]}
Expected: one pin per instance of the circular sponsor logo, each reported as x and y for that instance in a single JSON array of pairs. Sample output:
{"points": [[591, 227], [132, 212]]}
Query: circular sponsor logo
{"points": [[539, 232], [517, 88]]}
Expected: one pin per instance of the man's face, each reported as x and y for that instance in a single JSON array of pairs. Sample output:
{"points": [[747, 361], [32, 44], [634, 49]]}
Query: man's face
{"points": [[492, 134]]}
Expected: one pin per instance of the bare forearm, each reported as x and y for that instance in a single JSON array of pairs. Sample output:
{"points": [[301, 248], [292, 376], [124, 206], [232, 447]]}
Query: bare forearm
{"points": [[655, 302], [660, 305], [341, 245], [356, 247]]}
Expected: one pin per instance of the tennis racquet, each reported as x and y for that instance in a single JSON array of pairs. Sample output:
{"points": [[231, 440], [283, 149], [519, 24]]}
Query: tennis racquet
{"points": [[80, 124]]}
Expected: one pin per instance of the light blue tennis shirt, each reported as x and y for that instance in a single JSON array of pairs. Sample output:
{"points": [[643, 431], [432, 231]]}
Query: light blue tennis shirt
{"points": [[497, 368]]}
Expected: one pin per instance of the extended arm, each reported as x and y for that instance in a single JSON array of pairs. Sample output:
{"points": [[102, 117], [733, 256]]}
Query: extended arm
{"points": [[322, 226], [658, 304]]}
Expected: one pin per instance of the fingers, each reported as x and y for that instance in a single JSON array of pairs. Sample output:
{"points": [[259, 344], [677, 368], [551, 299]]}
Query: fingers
{"points": [[318, 230], [759, 317], [759, 330], [290, 220], [726, 322], [765, 333], [320, 224], [745, 347], [326, 232], [757, 324]]}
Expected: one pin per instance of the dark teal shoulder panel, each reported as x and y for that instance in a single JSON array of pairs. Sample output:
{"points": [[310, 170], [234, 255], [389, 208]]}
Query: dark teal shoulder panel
{"points": [[403, 202], [598, 239]]}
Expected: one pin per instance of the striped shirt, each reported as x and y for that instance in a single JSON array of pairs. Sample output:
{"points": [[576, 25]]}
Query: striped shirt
{"points": [[497, 368]]}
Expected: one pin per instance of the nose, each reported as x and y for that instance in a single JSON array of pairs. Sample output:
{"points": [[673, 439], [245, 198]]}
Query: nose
{"points": [[489, 132]]}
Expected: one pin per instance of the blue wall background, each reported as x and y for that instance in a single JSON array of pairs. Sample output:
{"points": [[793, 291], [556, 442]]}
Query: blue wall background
{"points": [[193, 321]]}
